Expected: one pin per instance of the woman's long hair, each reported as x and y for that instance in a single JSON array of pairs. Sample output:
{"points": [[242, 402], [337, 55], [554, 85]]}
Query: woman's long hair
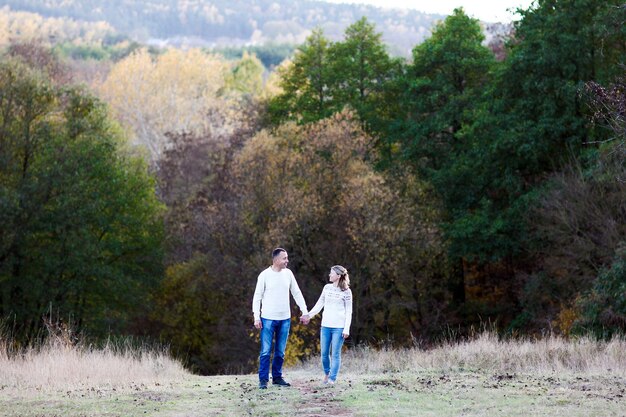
{"points": [[344, 278]]}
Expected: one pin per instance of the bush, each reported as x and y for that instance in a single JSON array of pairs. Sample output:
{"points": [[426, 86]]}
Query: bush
{"points": [[603, 309]]}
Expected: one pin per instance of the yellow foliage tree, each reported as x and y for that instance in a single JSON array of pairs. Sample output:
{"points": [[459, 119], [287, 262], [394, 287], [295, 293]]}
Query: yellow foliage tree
{"points": [[19, 26], [173, 93]]}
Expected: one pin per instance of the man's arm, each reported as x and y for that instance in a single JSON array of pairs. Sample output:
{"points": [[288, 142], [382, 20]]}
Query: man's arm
{"points": [[256, 300], [297, 295]]}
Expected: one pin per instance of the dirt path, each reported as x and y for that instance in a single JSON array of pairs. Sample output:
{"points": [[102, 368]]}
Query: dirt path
{"points": [[319, 400]]}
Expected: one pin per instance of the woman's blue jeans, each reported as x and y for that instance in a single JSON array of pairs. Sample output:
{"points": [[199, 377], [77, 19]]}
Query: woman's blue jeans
{"points": [[331, 341], [278, 331]]}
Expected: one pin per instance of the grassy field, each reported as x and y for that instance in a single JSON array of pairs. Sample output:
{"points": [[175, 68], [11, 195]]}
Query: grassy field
{"points": [[482, 377]]}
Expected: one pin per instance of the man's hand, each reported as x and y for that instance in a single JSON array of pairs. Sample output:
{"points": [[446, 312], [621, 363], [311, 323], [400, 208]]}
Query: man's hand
{"points": [[258, 324], [345, 335], [304, 319]]}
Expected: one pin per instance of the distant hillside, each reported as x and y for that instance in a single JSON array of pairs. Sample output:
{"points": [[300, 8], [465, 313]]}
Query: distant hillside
{"points": [[22, 25], [221, 23]]}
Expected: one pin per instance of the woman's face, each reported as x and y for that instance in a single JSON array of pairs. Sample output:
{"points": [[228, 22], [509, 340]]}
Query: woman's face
{"points": [[333, 276]]}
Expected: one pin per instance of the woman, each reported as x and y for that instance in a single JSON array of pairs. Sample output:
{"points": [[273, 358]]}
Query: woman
{"points": [[336, 300]]}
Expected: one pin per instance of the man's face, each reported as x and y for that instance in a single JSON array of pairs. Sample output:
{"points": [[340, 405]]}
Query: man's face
{"points": [[281, 261]]}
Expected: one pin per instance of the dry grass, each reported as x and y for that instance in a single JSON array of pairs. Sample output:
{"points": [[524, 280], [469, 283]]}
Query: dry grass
{"points": [[485, 376], [57, 365], [489, 353]]}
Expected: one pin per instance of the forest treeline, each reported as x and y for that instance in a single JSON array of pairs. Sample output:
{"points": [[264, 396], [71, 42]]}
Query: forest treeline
{"points": [[224, 23], [460, 187]]}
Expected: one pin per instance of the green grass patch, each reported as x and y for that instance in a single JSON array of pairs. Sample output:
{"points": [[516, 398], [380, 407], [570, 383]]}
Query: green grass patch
{"points": [[408, 393]]}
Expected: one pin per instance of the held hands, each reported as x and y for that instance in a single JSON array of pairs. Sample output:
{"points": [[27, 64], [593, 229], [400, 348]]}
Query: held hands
{"points": [[258, 324], [345, 335]]}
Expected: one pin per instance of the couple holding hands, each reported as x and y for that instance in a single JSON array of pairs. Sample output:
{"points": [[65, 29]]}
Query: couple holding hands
{"points": [[272, 315]]}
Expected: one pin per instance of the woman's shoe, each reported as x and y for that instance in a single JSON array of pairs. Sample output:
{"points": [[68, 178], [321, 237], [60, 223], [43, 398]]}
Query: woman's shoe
{"points": [[325, 381]]}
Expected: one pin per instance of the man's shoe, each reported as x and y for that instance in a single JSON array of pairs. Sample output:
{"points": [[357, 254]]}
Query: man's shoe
{"points": [[262, 384], [281, 382]]}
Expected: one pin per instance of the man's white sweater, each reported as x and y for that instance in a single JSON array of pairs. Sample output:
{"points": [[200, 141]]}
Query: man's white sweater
{"points": [[337, 305], [271, 296]]}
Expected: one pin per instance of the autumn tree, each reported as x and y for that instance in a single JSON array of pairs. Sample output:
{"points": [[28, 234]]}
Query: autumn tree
{"points": [[204, 302], [313, 190], [37, 56], [25, 27], [175, 92], [581, 221]]}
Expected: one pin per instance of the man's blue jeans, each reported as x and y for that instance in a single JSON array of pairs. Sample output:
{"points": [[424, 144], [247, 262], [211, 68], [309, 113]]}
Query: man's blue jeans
{"points": [[331, 341], [278, 331]]}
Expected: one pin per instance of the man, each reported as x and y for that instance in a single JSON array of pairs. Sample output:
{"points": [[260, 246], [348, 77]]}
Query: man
{"points": [[272, 314]]}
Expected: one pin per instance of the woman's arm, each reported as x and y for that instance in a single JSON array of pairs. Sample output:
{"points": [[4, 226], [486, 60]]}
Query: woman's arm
{"points": [[319, 305], [347, 301]]}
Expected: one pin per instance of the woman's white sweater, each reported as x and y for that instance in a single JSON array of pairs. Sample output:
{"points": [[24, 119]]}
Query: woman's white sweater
{"points": [[337, 305]]}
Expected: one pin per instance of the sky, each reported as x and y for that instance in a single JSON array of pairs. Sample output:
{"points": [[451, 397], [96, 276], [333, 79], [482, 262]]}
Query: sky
{"points": [[485, 10]]}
